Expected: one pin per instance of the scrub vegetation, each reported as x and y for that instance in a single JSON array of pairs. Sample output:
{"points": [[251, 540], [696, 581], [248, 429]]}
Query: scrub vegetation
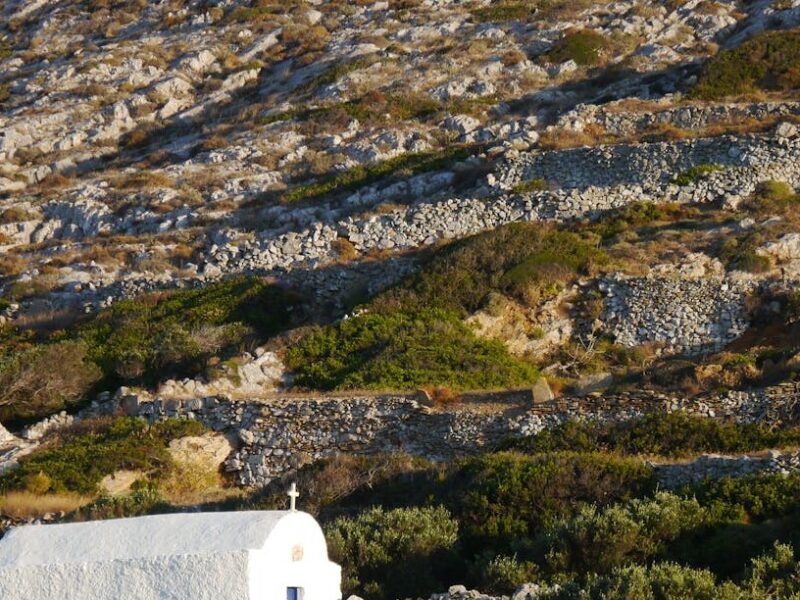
{"points": [[576, 506]]}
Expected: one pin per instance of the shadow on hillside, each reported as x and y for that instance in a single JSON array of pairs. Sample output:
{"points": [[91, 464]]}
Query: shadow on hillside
{"points": [[603, 86]]}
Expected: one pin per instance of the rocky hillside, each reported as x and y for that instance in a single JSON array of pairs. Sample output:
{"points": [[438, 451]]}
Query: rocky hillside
{"points": [[248, 241]]}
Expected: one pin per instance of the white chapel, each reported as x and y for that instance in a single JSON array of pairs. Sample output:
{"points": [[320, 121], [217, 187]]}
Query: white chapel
{"points": [[255, 555]]}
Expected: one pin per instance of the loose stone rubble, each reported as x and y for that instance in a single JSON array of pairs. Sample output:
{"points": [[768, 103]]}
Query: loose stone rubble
{"points": [[692, 316], [528, 591]]}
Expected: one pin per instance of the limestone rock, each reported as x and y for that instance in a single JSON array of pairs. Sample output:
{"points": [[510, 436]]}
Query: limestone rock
{"points": [[6, 436], [786, 249], [541, 391], [786, 130], [120, 482], [209, 450], [461, 124]]}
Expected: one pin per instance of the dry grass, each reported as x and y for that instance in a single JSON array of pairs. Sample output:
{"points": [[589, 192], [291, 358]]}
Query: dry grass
{"points": [[25, 505], [143, 180], [48, 319], [345, 251], [12, 265], [592, 135], [442, 396], [190, 483], [56, 181]]}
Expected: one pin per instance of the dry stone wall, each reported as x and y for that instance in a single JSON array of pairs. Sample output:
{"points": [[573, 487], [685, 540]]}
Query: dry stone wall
{"points": [[654, 165], [672, 475], [276, 436], [690, 316], [585, 182], [691, 116]]}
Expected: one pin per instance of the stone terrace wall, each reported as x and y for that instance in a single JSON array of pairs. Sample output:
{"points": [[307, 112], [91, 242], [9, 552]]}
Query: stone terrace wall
{"points": [[589, 181], [693, 316], [654, 165], [276, 436], [586, 182], [671, 475], [692, 117]]}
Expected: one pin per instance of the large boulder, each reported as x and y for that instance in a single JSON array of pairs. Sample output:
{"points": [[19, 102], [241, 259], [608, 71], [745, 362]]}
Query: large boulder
{"points": [[207, 451]]}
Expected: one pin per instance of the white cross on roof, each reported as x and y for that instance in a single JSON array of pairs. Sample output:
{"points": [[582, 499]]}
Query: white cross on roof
{"points": [[293, 495]]}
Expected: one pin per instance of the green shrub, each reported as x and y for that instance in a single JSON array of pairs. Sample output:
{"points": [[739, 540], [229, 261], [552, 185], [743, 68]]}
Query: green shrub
{"points": [[175, 332], [559, 517], [741, 252], [532, 185], [695, 173], [143, 500], [773, 198], [661, 581], [404, 350], [503, 498], [78, 462], [675, 434], [412, 335], [601, 540], [140, 340], [37, 483], [727, 547], [761, 496], [244, 14], [773, 576], [393, 554], [525, 260], [30, 386], [507, 573], [585, 47], [641, 214], [768, 62]]}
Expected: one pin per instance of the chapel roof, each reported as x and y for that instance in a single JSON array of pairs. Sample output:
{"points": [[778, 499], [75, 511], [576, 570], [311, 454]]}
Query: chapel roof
{"points": [[140, 537]]}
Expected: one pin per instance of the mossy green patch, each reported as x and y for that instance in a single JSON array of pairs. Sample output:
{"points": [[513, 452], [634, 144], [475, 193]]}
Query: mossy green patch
{"points": [[585, 47], [768, 62], [404, 350], [77, 462], [145, 338], [694, 173]]}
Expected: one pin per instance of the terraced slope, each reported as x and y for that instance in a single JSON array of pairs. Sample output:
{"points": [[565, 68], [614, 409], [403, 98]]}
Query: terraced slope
{"points": [[335, 230]]}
